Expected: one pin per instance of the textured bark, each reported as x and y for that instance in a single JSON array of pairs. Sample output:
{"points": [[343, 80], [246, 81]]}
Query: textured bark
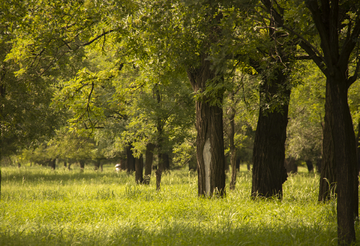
{"points": [[269, 172], [345, 160], [327, 188], [139, 166], [149, 156], [209, 140]]}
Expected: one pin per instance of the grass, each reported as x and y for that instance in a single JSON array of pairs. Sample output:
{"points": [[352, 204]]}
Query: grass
{"points": [[40, 206]]}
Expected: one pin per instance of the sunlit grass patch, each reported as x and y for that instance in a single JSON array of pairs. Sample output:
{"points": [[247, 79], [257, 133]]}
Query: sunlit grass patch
{"points": [[44, 207]]}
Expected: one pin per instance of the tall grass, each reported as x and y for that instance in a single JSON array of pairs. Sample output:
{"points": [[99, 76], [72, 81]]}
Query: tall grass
{"points": [[40, 206]]}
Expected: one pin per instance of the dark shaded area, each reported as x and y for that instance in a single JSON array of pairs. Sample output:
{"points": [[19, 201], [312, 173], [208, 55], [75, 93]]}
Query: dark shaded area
{"points": [[177, 234]]}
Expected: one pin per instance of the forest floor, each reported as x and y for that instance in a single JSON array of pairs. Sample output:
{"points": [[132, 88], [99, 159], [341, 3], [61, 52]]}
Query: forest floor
{"points": [[40, 206]]}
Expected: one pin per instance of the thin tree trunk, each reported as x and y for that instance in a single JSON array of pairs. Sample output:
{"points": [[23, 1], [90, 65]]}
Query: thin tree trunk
{"points": [[160, 142], [232, 146], [82, 165], [52, 164], [139, 166], [149, 156], [209, 126], [358, 146]]}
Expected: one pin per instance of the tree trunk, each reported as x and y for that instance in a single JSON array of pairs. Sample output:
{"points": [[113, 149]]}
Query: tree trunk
{"points": [[97, 165], [52, 164], [149, 156], [327, 188], [345, 158], [358, 146], [160, 142], [139, 166], [123, 163], [82, 165], [269, 172], [130, 160], [209, 126], [232, 147], [310, 166]]}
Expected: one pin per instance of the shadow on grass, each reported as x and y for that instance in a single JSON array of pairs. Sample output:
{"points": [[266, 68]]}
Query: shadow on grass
{"points": [[175, 234], [38, 174]]}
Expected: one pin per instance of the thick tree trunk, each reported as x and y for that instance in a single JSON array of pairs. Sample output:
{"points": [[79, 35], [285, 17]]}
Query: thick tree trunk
{"points": [[345, 159], [209, 126], [139, 166], [269, 172], [149, 156], [327, 188]]}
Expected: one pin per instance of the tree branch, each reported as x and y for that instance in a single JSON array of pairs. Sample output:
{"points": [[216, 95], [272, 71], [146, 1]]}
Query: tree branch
{"points": [[99, 36]]}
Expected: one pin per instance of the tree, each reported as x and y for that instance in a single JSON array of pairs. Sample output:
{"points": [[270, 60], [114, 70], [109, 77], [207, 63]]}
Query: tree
{"points": [[189, 30], [306, 114], [31, 118], [240, 110], [273, 61], [338, 28]]}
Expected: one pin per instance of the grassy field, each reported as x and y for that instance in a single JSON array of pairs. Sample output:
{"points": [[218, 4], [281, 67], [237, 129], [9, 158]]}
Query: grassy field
{"points": [[40, 206]]}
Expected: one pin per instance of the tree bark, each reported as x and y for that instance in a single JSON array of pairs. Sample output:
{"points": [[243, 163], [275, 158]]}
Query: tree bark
{"points": [[82, 165], [130, 160], [97, 164], [269, 172], [160, 142], [139, 164], [345, 159], [149, 156], [52, 163], [358, 146], [327, 188], [232, 146], [209, 126]]}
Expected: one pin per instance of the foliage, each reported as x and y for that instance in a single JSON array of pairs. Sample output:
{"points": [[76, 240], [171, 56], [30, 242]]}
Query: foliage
{"points": [[305, 129]]}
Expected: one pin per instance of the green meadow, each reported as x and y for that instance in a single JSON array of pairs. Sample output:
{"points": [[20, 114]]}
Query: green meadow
{"points": [[40, 206]]}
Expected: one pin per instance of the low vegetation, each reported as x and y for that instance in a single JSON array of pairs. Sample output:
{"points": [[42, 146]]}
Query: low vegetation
{"points": [[40, 206]]}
